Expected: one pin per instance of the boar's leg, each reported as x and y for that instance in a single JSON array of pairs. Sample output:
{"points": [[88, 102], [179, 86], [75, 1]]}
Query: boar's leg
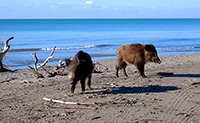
{"points": [[117, 71], [119, 66], [140, 68], [73, 85], [83, 84], [124, 69], [89, 81]]}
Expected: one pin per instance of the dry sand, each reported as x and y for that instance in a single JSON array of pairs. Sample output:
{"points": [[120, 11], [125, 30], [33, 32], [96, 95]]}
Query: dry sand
{"points": [[157, 98]]}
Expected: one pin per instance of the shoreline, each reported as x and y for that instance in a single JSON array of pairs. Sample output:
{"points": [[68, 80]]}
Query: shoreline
{"points": [[99, 57], [157, 98]]}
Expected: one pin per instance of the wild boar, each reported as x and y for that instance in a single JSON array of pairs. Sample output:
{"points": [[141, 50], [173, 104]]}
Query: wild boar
{"points": [[136, 54], [81, 67]]}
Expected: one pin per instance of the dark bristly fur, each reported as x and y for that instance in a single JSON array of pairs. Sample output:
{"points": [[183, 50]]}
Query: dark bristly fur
{"points": [[81, 67]]}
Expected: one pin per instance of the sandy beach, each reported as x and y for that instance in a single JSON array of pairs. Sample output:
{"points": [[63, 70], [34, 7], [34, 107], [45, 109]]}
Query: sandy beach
{"points": [[170, 98]]}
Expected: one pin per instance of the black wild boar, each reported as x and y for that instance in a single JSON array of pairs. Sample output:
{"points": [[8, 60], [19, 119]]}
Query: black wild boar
{"points": [[136, 54], [81, 67]]}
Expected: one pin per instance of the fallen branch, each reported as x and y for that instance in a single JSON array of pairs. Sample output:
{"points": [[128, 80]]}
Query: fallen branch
{"points": [[8, 80], [50, 56], [188, 114], [80, 103], [45, 70], [38, 75], [55, 71], [36, 61], [84, 108], [35, 69]]}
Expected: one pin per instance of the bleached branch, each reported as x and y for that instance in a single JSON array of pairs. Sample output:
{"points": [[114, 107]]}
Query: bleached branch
{"points": [[36, 61], [2, 53], [50, 56], [80, 103]]}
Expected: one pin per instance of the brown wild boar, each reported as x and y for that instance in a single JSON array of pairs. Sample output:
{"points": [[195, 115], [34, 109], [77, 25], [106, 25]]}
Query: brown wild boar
{"points": [[136, 54], [81, 67]]}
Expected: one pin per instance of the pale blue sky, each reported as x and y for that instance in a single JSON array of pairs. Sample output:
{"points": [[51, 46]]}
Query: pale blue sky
{"points": [[21, 9]]}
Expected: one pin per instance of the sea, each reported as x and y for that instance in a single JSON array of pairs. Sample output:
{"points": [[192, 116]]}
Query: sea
{"points": [[98, 37]]}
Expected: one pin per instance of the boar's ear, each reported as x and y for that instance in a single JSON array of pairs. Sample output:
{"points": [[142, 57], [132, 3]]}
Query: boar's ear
{"points": [[67, 61], [148, 47]]}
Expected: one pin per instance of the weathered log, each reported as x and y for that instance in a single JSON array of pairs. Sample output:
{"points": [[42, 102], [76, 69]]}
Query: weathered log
{"points": [[3, 53]]}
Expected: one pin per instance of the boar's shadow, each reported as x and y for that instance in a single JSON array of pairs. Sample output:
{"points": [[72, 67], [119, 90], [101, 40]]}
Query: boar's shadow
{"points": [[132, 90], [182, 75]]}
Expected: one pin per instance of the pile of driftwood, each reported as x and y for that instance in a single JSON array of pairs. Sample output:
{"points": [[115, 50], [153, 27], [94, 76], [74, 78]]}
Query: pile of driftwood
{"points": [[53, 73], [58, 70]]}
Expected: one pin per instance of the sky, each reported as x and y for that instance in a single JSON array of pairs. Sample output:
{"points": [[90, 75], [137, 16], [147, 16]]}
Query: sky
{"points": [[45, 9]]}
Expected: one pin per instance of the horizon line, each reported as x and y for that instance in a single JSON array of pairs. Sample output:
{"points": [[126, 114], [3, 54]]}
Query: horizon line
{"points": [[101, 18]]}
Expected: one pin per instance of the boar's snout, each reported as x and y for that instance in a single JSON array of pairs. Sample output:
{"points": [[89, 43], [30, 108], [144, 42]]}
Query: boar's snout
{"points": [[158, 60]]}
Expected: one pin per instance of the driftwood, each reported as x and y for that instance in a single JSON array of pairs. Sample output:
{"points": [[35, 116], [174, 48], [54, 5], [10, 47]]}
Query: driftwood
{"points": [[55, 71], [61, 65], [83, 108], [98, 66], [50, 74], [38, 75], [36, 61], [35, 69], [95, 104], [80, 103], [3, 53], [50, 56]]}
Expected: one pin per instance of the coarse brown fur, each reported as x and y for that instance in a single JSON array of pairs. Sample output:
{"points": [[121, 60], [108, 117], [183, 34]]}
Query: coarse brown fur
{"points": [[81, 67], [136, 54]]}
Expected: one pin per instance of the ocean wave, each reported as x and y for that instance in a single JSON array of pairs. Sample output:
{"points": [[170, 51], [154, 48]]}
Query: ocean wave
{"points": [[65, 48], [177, 48], [22, 50], [74, 48], [184, 39]]}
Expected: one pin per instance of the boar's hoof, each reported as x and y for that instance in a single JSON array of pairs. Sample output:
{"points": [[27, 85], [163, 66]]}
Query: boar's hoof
{"points": [[144, 76], [90, 88], [72, 91]]}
